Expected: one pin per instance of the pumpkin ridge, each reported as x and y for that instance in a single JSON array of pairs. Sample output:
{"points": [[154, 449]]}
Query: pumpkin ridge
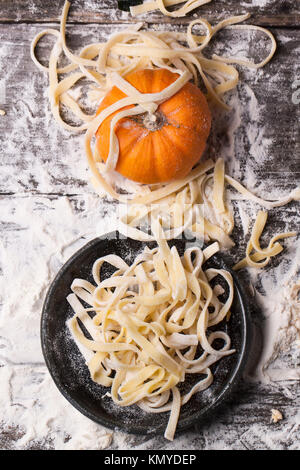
{"points": [[155, 168], [141, 163], [171, 140], [179, 124], [171, 169], [131, 141], [178, 144], [192, 127], [158, 150]]}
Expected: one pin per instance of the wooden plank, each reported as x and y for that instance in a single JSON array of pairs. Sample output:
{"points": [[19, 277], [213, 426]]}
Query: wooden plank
{"points": [[41, 157], [43, 167], [242, 423], [276, 13]]}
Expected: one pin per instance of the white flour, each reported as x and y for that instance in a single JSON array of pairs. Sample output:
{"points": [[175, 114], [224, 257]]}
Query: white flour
{"points": [[39, 233], [257, 3], [280, 303]]}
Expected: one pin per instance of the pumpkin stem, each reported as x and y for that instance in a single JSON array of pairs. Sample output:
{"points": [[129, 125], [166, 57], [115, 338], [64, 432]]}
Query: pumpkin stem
{"points": [[154, 121]]}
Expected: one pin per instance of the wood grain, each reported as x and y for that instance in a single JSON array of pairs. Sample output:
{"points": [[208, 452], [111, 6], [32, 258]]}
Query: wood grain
{"points": [[40, 162], [243, 422], [50, 165], [279, 13]]}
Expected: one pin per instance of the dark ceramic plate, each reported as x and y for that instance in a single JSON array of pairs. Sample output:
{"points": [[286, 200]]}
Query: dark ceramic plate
{"points": [[71, 375]]}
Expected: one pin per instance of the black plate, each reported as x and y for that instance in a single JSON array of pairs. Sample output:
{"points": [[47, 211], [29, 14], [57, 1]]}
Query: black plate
{"points": [[70, 374]]}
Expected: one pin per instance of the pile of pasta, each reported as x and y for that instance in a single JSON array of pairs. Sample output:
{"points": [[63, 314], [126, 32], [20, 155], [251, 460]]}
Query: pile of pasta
{"points": [[198, 207], [134, 49], [182, 204], [149, 323]]}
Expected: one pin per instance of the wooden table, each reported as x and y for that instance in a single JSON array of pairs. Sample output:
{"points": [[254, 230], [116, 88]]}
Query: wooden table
{"points": [[36, 164]]}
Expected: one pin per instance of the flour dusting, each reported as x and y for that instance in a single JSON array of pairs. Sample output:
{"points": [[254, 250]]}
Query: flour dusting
{"points": [[46, 232], [41, 229]]}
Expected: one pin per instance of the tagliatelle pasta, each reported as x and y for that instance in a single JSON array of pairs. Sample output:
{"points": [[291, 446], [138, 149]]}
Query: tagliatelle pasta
{"points": [[147, 322], [188, 200], [189, 5], [257, 257], [133, 49], [195, 202], [197, 206]]}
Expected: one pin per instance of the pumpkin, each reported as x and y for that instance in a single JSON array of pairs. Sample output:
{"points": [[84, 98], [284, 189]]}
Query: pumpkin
{"points": [[164, 147]]}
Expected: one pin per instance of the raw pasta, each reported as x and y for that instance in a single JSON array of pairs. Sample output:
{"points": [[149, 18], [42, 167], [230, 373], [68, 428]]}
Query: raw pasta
{"points": [[257, 257], [147, 322], [161, 5], [187, 202]]}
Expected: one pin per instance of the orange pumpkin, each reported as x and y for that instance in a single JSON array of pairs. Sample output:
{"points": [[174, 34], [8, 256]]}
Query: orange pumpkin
{"points": [[164, 150]]}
